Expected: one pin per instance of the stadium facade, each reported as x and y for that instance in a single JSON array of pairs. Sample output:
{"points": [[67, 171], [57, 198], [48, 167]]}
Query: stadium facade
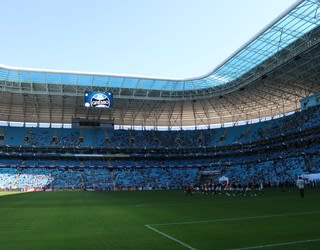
{"points": [[266, 77]]}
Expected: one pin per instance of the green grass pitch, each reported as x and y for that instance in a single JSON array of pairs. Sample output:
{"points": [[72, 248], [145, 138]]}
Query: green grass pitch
{"points": [[159, 220]]}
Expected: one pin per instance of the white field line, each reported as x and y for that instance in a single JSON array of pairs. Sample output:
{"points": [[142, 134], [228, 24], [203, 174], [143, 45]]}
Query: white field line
{"points": [[236, 218], [277, 244], [170, 237], [151, 227]]}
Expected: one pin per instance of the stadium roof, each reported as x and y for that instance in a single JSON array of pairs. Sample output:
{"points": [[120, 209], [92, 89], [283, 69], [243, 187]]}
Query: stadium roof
{"points": [[293, 24], [288, 38]]}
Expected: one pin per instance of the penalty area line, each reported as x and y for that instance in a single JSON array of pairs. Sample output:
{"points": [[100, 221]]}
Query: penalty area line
{"points": [[277, 244], [238, 218], [170, 237]]}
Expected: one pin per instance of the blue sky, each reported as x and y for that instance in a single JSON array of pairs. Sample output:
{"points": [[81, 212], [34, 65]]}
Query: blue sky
{"points": [[162, 38]]}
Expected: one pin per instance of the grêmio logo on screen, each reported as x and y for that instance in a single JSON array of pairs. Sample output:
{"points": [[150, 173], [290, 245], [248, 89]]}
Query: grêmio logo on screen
{"points": [[98, 99]]}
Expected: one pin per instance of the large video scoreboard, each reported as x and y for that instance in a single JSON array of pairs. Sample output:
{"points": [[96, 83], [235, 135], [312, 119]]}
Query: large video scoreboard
{"points": [[98, 99]]}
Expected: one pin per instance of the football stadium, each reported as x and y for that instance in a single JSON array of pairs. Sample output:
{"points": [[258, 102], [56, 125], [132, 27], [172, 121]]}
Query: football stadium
{"points": [[106, 161]]}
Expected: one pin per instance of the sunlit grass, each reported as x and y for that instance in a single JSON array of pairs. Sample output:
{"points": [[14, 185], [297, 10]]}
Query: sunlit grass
{"points": [[4, 193]]}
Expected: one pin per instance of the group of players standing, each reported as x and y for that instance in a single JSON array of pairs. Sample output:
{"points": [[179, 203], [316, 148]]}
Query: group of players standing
{"points": [[236, 189], [229, 189]]}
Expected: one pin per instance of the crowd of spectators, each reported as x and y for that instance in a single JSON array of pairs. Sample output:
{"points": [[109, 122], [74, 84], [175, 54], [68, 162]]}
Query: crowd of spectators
{"points": [[271, 152], [95, 178]]}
